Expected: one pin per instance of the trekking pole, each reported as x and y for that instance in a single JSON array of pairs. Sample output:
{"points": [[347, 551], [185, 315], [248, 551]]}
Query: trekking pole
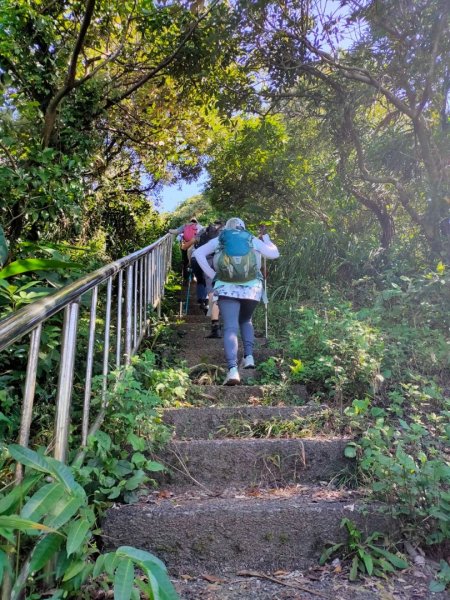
{"points": [[266, 300], [186, 306]]}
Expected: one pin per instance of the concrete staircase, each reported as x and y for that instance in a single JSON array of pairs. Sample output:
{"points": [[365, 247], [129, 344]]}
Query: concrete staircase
{"points": [[240, 503]]}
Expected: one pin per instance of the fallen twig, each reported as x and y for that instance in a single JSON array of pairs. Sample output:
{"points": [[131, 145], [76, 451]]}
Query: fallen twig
{"points": [[281, 582]]}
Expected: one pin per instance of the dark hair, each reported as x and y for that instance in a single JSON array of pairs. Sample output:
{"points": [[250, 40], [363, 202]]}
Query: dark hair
{"points": [[193, 220]]}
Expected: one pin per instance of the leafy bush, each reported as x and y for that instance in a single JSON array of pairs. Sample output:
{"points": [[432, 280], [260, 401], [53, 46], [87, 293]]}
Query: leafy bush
{"points": [[56, 526], [401, 455], [116, 463], [339, 353], [365, 556]]}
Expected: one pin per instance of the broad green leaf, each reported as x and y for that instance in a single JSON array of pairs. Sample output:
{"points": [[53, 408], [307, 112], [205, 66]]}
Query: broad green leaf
{"points": [[64, 474], [354, 569], [43, 501], [76, 535], [110, 563], [3, 247], [98, 567], [145, 588], [350, 451], [4, 564], [16, 495], [123, 580], [154, 466], [398, 562], [328, 552], [25, 525], [136, 480], [74, 569], [63, 511], [386, 565], [140, 556], [44, 550], [28, 265], [368, 562], [437, 586], [166, 589], [136, 442], [135, 595], [154, 586], [29, 458]]}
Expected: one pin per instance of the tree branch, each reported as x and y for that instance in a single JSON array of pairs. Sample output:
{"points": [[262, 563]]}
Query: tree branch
{"points": [[9, 156], [440, 25], [167, 61], [50, 113]]}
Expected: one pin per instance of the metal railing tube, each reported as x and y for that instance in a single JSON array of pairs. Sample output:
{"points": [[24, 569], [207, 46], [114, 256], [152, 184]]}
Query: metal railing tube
{"points": [[128, 314], [64, 395], [119, 320], [141, 304], [89, 367], [135, 297], [27, 318], [28, 396], [105, 370]]}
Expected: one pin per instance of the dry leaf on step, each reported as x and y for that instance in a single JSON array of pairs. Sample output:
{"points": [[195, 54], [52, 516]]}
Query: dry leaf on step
{"points": [[213, 579]]}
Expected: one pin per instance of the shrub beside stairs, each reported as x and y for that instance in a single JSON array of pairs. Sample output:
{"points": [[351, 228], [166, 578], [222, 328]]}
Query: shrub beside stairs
{"points": [[229, 504]]}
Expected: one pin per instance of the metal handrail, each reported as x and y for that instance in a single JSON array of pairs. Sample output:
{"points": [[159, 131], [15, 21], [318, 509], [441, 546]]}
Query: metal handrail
{"points": [[144, 273], [24, 320]]}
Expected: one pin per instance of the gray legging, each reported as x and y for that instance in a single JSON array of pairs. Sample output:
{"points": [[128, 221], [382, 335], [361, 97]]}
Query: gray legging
{"points": [[237, 315]]}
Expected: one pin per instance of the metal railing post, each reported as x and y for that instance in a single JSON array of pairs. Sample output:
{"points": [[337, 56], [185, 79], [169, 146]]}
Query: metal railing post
{"points": [[128, 314], [105, 369], [135, 298], [142, 285], [119, 320], [28, 395], [64, 393], [141, 304], [89, 367]]}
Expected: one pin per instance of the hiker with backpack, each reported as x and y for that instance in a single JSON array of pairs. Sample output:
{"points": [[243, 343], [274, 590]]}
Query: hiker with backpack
{"points": [[187, 234], [237, 277], [209, 233]]}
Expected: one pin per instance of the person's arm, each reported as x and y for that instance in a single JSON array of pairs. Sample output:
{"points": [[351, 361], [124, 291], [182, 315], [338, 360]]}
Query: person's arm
{"points": [[266, 247], [201, 253], [177, 231]]}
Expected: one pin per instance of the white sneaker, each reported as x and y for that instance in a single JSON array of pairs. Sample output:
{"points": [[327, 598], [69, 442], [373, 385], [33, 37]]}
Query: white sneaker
{"points": [[232, 377], [248, 362]]}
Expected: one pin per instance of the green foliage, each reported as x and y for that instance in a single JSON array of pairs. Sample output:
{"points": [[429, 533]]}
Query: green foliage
{"points": [[442, 581], [402, 458], [58, 527], [116, 464], [365, 556], [269, 370], [340, 353], [3, 248], [320, 422]]}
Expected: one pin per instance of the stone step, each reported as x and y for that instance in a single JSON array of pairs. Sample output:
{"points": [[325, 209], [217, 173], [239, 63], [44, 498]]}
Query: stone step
{"points": [[206, 351], [240, 395], [206, 422], [217, 464], [198, 317], [250, 529], [185, 328]]}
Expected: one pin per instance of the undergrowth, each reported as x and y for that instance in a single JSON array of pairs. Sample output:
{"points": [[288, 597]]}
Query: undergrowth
{"points": [[51, 527], [378, 351]]}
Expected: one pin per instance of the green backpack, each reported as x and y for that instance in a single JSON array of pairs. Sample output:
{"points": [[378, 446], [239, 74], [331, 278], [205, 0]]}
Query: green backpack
{"points": [[235, 259]]}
